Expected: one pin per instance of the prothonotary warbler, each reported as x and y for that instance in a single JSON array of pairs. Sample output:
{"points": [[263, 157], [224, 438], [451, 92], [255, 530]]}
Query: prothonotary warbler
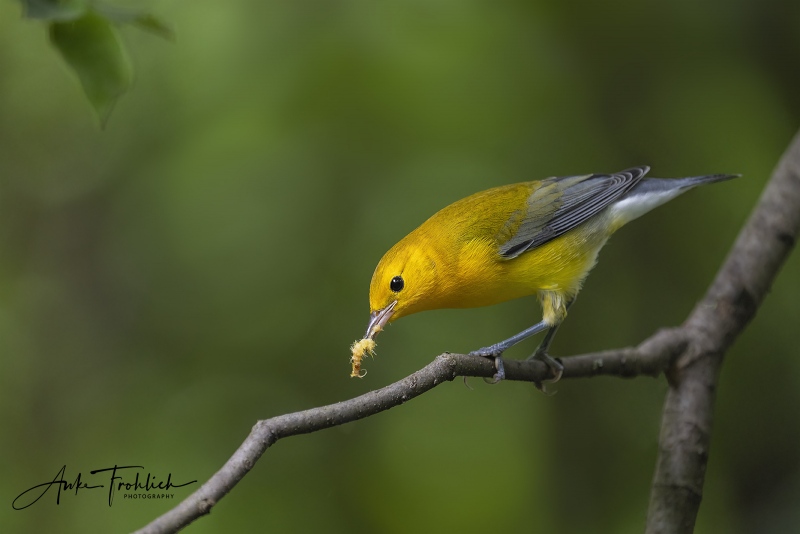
{"points": [[532, 238]]}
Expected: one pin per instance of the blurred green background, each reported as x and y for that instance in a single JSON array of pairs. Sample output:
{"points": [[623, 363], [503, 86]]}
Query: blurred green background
{"points": [[204, 262]]}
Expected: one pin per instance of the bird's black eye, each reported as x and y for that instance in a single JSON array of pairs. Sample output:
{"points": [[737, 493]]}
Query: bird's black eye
{"points": [[397, 284]]}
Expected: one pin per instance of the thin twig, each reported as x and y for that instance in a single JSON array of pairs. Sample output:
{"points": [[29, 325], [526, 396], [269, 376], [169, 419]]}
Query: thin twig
{"points": [[650, 358]]}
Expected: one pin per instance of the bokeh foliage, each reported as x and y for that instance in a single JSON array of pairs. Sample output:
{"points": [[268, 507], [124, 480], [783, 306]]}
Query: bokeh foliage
{"points": [[204, 261], [84, 33]]}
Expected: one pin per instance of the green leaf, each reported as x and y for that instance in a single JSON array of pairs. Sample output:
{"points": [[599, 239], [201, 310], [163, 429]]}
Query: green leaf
{"points": [[140, 19], [92, 47], [153, 24], [54, 9]]}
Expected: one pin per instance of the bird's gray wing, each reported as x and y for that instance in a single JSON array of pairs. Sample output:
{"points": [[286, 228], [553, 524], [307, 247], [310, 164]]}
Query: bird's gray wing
{"points": [[560, 204]]}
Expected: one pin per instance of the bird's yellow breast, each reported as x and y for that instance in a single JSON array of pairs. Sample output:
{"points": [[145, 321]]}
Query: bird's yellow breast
{"points": [[465, 237], [481, 277]]}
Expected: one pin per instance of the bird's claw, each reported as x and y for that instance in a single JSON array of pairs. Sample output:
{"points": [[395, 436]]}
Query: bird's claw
{"points": [[556, 370], [500, 375], [494, 352], [491, 351]]}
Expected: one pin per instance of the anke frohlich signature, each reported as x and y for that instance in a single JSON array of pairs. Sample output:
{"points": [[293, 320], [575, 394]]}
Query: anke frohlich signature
{"points": [[119, 478]]}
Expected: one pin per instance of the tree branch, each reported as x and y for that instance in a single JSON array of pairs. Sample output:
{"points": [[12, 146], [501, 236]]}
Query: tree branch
{"points": [[731, 302], [690, 356], [651, 358]]}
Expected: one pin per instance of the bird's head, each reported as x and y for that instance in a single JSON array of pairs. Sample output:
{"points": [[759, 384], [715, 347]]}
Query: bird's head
{"points": [[404, 282]]}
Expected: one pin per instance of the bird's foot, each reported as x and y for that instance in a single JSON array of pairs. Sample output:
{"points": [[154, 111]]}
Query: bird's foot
{"points": [[500, 375], [555, 366], [494, 352]]}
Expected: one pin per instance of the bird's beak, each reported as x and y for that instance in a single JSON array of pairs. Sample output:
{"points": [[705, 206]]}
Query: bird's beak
{"points": [[378, 319]]}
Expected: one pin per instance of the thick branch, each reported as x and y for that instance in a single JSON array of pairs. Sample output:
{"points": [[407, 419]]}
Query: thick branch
{"points": [[732, 300]]}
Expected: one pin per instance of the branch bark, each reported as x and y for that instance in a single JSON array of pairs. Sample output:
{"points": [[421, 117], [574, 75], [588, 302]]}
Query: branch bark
{"points": [[730, 303], [690, 356]]}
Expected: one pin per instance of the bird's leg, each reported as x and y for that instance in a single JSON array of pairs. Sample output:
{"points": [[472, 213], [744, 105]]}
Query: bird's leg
{"points": [[495, 351], [492, 351], [555, 366]]}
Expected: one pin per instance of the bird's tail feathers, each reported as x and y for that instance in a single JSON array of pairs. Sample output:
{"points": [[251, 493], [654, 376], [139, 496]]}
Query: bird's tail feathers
{"points": [[652, 192], [664, 185]]}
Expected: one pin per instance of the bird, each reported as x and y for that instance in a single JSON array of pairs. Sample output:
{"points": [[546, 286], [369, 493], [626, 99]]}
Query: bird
{"points": [[531, 238]]}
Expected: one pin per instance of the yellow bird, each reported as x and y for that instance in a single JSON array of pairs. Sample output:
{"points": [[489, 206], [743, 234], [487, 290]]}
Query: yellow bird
{"points": [[532, 238]]}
